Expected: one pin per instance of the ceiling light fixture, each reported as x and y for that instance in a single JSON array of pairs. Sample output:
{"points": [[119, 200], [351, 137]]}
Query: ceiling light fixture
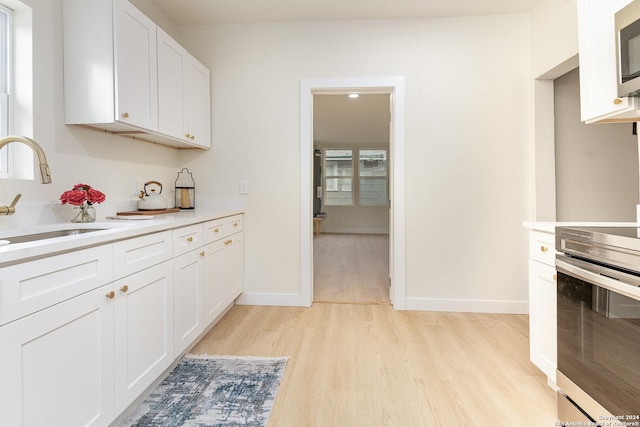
{"points": [[354, 95]]}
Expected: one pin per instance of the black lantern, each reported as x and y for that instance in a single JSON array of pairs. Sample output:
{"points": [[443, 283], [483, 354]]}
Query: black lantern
{"points": [[185, 190]]}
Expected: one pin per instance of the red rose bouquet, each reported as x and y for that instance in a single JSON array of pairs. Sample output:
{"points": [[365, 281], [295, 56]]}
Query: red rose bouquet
{"points": [[82, 193]]}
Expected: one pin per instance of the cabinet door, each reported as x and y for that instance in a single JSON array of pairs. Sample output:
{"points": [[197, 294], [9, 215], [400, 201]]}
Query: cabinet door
{"points": [[57, 364], [136, 67], [213, 281], [143, 331], [188, 292], [598, 75], [542, 317], [171, 57], [197, 106], [233, 267]]}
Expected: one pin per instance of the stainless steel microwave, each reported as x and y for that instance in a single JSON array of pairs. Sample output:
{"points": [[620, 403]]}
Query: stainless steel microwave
{"points": [[627, 25]]}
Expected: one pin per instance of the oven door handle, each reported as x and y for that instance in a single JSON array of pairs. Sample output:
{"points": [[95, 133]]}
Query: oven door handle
{"points": [[612, 280]]}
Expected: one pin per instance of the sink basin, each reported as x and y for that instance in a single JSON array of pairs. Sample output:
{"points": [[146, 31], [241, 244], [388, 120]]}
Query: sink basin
{"points": [[49, 235]]}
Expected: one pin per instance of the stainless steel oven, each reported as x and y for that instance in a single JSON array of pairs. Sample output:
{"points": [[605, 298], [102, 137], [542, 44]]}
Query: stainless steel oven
{"points": [[598, 314]]}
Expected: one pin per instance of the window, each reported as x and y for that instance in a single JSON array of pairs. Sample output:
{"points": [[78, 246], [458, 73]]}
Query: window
{"points": [[338, 177], [5, 84], [372, 174], [368, 176]]}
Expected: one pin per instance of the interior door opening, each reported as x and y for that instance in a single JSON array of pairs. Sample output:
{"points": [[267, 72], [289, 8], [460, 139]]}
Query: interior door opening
{"points": [[393, 87], [351, 138]]}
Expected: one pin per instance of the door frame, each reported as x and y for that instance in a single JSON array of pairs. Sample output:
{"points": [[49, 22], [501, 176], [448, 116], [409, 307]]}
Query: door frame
{"points": [[394, 86]]}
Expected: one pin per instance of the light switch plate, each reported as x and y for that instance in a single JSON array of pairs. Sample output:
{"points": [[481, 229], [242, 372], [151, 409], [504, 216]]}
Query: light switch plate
{"points": [[244, 186]]}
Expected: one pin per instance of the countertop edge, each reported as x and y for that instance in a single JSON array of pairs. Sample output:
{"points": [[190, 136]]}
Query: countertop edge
{"points": [[550, 227], [119, 229]]}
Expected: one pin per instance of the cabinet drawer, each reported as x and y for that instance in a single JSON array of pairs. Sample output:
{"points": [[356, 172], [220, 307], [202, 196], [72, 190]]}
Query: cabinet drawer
{"points": [[542, 247], [186, 239], [32, 286], [233, 224], [132, 255], [213, 230]]}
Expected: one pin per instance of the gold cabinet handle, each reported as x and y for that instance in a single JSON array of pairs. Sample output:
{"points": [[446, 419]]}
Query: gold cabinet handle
{"points": [[189, 239], [111, 295], [555, 277], [235, 224], [186, 135], [192, 137], [216, 230], [125, 288], [617, 101], [228, 242], [125, 115], [202, 253], [544, 248]]}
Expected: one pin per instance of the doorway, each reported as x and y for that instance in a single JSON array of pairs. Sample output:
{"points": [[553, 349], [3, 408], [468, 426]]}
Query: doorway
{"points": [[351, 135], [394, 87]]}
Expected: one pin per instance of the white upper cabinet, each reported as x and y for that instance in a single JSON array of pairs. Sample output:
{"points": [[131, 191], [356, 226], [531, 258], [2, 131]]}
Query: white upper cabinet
{"points": [[599, 100], [121, 75], [183, 93], [136, 67]]}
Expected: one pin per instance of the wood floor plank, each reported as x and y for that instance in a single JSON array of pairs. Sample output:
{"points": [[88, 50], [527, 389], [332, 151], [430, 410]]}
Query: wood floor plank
{"points": [[351, 268], [370, 365]]}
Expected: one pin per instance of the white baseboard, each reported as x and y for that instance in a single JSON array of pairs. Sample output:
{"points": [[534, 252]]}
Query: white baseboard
{"points": [[417, 304], [468, 306], [255, 298]]}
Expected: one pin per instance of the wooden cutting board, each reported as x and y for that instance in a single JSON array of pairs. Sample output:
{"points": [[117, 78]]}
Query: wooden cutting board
{"points": [[154, 212]]}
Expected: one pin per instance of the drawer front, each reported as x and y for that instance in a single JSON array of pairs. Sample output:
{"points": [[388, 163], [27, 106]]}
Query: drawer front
{"points": [[213, 230], [542, 247], [32, 286], [186, 239], [132, 255], [233, 224]]}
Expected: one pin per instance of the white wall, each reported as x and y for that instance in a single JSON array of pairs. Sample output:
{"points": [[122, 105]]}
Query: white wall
{"points": [[596, 164], [554, 37], [468, 130], [75, 154]]}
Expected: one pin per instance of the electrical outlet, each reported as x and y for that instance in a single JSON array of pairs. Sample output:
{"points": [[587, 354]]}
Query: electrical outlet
{"points": [[244, 186], [135, 188]]}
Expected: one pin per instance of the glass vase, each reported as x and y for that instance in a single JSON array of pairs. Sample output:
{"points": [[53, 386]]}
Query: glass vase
{"points": [[87, 213]]}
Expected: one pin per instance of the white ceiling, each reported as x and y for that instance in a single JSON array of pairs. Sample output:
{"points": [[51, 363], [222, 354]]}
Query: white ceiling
{"points": [[208, 12], [338, 119]]}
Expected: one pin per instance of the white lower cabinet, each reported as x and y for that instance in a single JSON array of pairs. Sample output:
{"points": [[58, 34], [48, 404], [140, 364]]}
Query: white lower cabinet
{"points": [[233, 267], [542, 303], [83, 334], [57, 365], [542, 312], [188, 291], [144, 340]]}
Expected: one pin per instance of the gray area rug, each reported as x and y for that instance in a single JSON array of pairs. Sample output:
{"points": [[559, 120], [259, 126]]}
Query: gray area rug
{"points": [[223, 391]]}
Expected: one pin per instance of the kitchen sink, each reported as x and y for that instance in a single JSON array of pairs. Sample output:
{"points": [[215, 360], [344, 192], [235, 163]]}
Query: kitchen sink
{"points": [[48, 235]]}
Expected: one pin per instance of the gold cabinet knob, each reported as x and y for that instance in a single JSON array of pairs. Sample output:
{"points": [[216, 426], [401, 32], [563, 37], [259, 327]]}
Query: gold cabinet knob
{"points": [[216, 230], [125, 288], [189, 239], [186, 135], [228, 242], [202, 253], [111, 295], [544, 248], [192, 137], [617, 101], [555, 277], [125, 115], [235, 224]]}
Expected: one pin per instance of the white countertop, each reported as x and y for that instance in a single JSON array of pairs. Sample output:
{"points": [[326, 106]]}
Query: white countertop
{"points": [[550, 227], [114, 229]]}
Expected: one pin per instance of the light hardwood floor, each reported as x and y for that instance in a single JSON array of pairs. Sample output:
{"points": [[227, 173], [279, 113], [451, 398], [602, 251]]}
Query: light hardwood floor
{"points": [[370, 365], [351, 268]]}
